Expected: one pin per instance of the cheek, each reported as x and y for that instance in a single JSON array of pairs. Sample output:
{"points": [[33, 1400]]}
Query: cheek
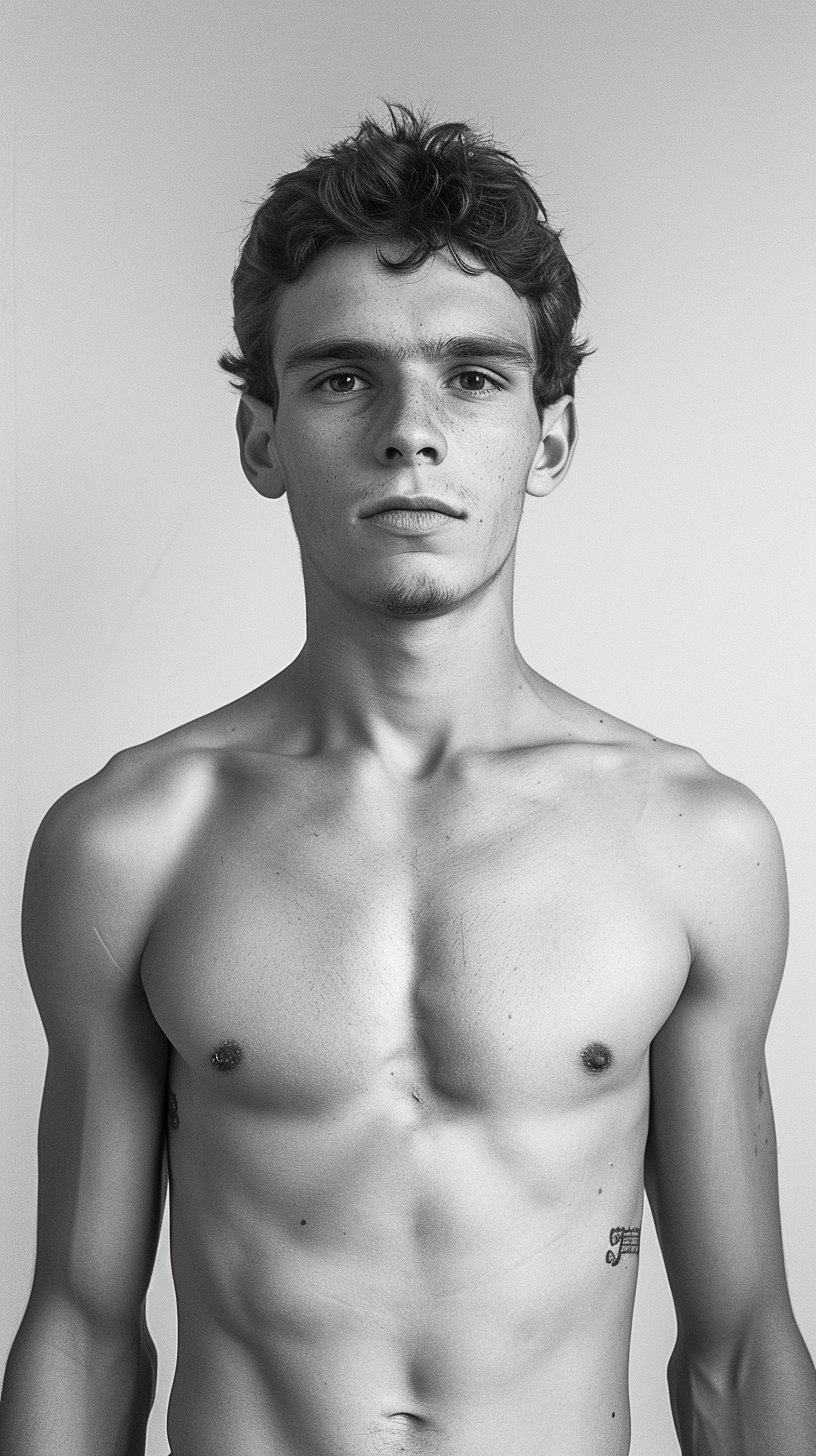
{"points": [[312, 481], [504, 452], [502, 467], [312, 506]]}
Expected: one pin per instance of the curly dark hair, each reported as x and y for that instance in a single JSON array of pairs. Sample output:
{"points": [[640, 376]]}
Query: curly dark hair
{"points": [[429, 187]]}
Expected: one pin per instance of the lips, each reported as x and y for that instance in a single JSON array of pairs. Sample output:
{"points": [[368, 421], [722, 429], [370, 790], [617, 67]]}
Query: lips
{"points": [[412, 503]]}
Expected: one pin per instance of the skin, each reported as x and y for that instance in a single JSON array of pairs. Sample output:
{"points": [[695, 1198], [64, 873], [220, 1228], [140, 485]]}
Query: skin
{"points": [[418, 966]]}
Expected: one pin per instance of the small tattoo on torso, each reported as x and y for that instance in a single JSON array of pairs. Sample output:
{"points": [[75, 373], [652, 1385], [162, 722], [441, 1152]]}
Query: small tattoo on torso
{"points": [[172, 1110], [623, 1241]]}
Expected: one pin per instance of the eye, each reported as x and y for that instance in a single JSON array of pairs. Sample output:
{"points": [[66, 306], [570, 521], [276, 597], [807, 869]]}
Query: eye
{"points": [[342, 383], [474, 381]]}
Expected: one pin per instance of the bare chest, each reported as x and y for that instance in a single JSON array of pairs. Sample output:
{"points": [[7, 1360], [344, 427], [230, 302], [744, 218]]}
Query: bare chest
{"points": [[510, 957]]}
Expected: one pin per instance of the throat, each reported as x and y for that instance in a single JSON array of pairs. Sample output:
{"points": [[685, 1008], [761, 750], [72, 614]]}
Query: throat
{"points": [[417, 689]]}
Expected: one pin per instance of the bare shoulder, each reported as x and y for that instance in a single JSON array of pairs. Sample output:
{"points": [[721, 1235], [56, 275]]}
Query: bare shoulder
{"points": [[123, 816], [722, 816], [677, 790], [108, 849], [717, 851], [140, 808], [722, 831], [706, 839]]}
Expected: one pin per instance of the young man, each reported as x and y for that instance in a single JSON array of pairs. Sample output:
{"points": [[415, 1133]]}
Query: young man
{"points": [[412, 962]]}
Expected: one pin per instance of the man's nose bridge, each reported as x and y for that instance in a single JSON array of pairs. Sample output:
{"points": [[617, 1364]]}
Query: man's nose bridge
{"points": [[411, 406], [409, 390]]}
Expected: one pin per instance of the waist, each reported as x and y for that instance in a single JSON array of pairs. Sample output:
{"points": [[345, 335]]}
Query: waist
{"points": [[347, 1397]]}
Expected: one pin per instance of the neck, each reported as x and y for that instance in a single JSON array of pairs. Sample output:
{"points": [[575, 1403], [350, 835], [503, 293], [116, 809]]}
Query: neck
{"points": [[414, 690]]}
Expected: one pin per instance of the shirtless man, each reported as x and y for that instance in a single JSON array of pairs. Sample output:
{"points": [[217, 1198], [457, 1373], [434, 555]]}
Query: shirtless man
{"points": [[411, 961]]}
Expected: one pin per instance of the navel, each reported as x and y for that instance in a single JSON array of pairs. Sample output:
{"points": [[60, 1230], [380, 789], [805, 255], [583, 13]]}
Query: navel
{"points": [[227, 1056], [596, 1057]]}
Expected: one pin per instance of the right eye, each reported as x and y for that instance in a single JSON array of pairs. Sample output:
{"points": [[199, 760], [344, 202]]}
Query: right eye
{"points": [[341, 383]]}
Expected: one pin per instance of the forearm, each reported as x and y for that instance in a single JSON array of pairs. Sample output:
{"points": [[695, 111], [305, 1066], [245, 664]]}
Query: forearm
{"points": [[72, 1387], [760, 1404]]}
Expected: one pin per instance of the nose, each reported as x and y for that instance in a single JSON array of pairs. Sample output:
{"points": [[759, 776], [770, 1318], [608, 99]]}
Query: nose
{"points": [[408, 431]]}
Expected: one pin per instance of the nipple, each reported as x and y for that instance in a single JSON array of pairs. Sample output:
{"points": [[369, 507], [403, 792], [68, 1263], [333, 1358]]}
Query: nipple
{"points": [[226, 1056], [596, 1057]]}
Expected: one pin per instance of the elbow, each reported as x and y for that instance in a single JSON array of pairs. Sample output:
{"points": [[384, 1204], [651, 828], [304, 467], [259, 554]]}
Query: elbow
{"points": [[721, 1388], [73, 1382], [702, 1390], [82, 1322]]}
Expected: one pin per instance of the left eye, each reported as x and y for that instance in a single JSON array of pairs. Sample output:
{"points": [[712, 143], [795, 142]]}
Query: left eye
{"points": [[473, 381]]}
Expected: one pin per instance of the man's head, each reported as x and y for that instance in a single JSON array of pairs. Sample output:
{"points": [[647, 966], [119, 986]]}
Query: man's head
{"points": [[406, 323], [432, 188]]}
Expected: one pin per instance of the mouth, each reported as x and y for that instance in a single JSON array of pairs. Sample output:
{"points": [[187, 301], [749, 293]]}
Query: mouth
{"points": [[412, 505]]}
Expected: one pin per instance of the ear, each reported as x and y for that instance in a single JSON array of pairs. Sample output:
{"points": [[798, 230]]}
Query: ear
{"points": [[255, 424], [559, 435]]}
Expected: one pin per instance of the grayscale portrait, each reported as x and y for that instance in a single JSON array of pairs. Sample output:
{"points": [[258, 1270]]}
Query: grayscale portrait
{"points": [[409, 670]]}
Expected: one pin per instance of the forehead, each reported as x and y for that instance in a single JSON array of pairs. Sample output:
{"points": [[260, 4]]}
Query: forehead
{"points": [[347, 291]]}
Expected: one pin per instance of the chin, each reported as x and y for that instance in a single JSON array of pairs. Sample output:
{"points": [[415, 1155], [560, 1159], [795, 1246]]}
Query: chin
{"points": [[420, 598]]}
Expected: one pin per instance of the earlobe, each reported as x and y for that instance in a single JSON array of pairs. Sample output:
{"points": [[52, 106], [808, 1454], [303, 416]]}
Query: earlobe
{"points": [[255, 424], [559, 435]]}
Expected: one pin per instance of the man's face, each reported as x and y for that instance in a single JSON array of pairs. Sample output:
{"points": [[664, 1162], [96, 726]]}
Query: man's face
{"points": [[398, 391]]}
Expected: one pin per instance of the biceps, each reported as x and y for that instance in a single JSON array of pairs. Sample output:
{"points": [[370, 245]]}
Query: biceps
{"points": [[711, 1173], [101, 1165]]}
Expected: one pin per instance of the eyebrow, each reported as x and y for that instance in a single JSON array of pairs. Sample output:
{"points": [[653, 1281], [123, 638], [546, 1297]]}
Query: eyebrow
{"points": [[465, 346]]}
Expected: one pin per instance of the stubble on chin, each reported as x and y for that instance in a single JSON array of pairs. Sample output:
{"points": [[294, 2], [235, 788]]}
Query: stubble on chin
{"points": [[422, 597]]}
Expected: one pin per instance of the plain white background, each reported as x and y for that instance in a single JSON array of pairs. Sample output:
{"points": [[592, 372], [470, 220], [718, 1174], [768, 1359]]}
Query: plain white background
{"points": [[667, 580]]}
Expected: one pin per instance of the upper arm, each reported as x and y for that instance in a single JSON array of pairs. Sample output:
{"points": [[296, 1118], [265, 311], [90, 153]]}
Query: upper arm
{"points": [[711, 1157], [101, 1184]]}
